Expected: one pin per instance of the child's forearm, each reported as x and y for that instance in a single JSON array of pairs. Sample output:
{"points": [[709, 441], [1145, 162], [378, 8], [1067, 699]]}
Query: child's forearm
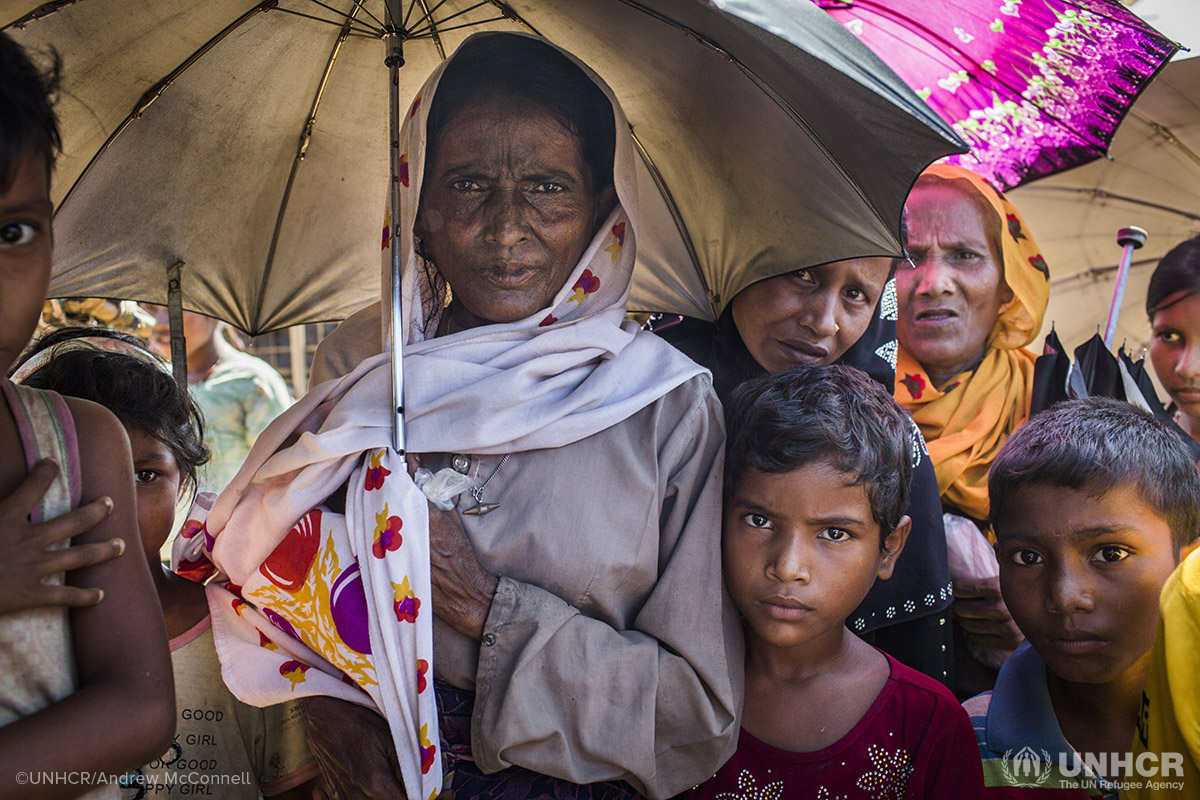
{"points": [[93, 735]]}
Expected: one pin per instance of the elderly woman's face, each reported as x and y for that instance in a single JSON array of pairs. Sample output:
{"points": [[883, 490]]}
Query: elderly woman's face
{"points": [[810, 316], [507, 209], [950, 302]]}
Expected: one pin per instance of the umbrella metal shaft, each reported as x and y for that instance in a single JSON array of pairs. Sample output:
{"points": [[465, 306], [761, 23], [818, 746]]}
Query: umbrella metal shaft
{"points": [[395, 60], [1130, 239]]}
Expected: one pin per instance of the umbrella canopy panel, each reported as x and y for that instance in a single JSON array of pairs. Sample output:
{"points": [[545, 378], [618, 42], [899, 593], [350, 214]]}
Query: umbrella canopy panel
{"points": [[1035, 86], [249, 141], [1152, 180]]}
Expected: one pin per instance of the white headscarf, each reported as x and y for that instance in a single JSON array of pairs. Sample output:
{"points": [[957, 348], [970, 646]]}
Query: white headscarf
{"points": [[563, 373]]}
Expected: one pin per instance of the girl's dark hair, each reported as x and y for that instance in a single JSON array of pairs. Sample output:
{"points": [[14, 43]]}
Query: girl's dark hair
{"points": [[1179, 271], [836, 414], [27, 121], [140, 394]]}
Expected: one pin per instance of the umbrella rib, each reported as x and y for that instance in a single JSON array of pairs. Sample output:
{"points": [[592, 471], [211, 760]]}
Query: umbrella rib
{"points": [[428, 12], [1165, 132], [432, 29], [301, 151], [315, 18], [408, 14], [680, 224], [362, 7], [342, 15], [513, 16], [1096, 272], [155, 91], [424, 34], [1103, 195], [44, 10]]}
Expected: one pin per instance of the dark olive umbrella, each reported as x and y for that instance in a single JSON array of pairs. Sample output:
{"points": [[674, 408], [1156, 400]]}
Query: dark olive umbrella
{"points": [[238, 150]]}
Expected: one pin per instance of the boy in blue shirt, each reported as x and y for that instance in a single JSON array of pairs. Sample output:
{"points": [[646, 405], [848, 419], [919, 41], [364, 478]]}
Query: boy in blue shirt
{"points": [[1091, 501]]}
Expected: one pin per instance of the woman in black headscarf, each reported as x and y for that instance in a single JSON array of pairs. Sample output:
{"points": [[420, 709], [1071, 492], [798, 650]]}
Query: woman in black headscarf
{"points": [[844, 313]]}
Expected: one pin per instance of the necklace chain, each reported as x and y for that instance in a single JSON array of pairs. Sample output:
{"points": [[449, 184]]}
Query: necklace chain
{"points": [[477, 491]]}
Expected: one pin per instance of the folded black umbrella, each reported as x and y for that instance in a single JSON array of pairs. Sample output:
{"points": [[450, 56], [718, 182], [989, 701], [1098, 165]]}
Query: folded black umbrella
{"points": [[1139, 390], [1050, 374], [1099, 369], [1097, 373]]}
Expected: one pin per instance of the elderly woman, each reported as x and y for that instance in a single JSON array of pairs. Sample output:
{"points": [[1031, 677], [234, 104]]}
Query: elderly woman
{"points": [[1173, 305], [581, 634], [845, 313], [973, 300]]}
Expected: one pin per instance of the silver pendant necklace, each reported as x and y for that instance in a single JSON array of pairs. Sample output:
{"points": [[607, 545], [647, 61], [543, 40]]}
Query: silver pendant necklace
{"points": [[480, 508]]}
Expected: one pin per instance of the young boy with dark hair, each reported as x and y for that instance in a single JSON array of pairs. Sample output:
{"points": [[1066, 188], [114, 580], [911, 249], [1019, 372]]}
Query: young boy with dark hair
{"points": [[818, 467], [1091, 501]]}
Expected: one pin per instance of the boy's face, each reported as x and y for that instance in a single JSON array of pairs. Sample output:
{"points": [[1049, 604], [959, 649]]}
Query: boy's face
{"points": [[25, 250], [156, 476], [801, 551], [1081, 575]]}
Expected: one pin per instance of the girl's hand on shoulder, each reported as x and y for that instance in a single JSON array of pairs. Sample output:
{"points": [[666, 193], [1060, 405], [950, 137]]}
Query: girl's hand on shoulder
{"points": [[25, 558]]}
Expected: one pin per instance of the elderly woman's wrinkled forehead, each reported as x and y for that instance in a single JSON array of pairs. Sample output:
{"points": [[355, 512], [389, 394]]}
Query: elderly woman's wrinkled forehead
{"points": [[530, 72], [961, 188]]}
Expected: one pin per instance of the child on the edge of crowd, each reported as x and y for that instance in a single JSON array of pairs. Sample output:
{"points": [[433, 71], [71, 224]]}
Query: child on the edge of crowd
{"points": [[1091, 501], [165, 430], [87, 693], [1169, 725], [818, 465]]}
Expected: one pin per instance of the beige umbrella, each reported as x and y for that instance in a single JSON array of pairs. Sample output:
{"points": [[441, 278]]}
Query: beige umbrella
{"points": [[247, 140], [1151, 180]]}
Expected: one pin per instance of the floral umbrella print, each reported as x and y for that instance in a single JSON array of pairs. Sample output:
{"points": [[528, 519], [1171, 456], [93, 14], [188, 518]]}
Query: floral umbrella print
{"points": [[1034, 86]]}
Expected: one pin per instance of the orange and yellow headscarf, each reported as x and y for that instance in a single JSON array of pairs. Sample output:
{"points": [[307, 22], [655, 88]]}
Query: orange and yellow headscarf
{"points": [[966, 421]]}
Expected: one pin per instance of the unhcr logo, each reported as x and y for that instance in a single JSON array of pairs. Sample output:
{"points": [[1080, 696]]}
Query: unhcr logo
{"points": [[1026, 768]]}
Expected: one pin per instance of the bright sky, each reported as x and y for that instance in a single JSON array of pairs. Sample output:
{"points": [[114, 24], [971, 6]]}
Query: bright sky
{"points": [[1178, 19]]}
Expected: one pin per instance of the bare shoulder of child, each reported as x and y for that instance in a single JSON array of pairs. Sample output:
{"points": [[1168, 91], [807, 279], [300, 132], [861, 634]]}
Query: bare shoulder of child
{"points": [[126, 628], [122, 712], [163, 427]]}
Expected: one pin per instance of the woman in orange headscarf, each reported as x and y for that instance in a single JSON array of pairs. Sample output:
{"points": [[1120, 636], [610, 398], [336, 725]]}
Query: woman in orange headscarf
{"points": [[973, 300]]}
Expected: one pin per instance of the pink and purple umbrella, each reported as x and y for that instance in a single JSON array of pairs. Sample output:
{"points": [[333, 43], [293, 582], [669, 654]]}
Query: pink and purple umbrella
{"points": [[1035, 86]]}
